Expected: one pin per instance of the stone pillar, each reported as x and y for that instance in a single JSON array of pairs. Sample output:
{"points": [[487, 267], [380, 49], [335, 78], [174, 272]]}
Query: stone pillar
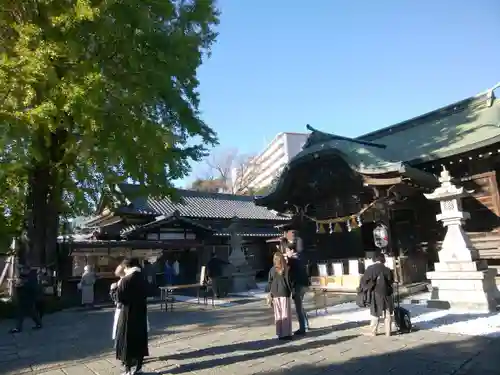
{"points": [[243, 278], [460, 278]]}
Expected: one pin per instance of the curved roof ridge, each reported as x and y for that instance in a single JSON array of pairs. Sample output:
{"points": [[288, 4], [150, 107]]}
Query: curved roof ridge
{"points": [[469, 103], [196, 193]]}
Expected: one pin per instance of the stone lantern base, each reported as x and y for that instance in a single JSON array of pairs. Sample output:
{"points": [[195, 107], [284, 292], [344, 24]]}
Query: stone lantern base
{"points": [[464, 284]]}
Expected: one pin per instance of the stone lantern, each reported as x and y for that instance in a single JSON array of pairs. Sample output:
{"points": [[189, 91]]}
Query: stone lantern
{"points": [[243, 277], [459, 279]]}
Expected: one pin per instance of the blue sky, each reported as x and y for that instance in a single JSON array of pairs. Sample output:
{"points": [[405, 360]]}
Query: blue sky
{"points": [[347, 67]]}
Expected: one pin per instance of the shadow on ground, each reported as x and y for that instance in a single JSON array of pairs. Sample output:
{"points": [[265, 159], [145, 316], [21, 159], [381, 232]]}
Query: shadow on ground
{"points": [[78, 336], [257, 345], [255, 355], [70, 336], [477, 356]]}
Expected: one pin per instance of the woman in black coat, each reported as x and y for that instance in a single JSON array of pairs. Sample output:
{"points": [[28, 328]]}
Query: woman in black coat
{"points": [[132, 326], [378, 280]]}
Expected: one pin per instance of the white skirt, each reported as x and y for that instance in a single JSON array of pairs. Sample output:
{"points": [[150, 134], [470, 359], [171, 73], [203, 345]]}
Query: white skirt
{"points": [[115, 322]]}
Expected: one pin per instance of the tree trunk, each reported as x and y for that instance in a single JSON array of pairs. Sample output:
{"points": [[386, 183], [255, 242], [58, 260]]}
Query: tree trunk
{"points": [[44, 202], [37, 214], [52, 225]]}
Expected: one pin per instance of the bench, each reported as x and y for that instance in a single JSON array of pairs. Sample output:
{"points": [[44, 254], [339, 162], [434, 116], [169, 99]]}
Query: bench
{"points": [[167, 294], [320, 296]]}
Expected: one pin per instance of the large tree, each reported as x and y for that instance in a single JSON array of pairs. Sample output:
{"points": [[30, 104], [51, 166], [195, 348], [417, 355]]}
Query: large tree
{"points": [[94, 92]]}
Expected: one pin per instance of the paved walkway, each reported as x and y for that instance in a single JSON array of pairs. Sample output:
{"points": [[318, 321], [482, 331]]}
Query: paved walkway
{"points": [[239, 340]]}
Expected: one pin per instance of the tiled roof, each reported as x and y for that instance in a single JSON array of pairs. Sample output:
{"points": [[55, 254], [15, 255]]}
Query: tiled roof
{"points": [[158, 222], [251, 234], [457, 128], [195, 204]]}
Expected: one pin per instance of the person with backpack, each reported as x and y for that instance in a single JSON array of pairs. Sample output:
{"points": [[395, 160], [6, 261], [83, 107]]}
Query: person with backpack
{"points": [[377, 283]]}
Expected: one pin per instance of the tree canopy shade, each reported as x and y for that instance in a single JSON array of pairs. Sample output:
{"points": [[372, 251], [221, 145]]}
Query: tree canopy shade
{"points": [[95, 92]]}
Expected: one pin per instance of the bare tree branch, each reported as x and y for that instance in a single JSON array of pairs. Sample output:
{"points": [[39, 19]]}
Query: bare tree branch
{"points": [[245, 173], [228, 171]]}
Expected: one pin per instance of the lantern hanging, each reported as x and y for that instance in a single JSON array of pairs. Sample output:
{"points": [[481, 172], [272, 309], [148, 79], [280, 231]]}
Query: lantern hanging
{"points": [[331, 228], [321, 229], [348, 224]]}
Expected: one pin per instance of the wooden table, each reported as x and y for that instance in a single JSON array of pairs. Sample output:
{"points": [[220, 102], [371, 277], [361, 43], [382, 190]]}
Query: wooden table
{"points": [[321, 296], [167, 294]]}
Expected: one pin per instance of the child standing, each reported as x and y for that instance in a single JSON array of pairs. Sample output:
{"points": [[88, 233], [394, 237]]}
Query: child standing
{"points": [[280, 290]]}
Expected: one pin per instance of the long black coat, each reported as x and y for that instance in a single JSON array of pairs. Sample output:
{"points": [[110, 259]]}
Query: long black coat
{"points": [[378, 281], [132, 329]]}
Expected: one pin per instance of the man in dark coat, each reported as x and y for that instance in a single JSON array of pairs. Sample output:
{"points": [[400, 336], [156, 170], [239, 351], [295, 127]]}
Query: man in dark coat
{"points": [[378, 280], [300, 282], [132, 327], [215, 272], [26, 295]]}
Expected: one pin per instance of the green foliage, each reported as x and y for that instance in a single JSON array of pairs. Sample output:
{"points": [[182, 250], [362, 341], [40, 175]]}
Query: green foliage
{"points": [[262, 191], [211, 185], [98, 92], [12, 202]]}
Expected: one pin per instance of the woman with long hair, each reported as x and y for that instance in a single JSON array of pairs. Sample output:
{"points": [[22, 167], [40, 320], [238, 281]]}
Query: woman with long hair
{"points": [[120, 274], [280, 290]]}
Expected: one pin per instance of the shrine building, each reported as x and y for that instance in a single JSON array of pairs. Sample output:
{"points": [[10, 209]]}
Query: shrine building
{"points": [[338, 189]]}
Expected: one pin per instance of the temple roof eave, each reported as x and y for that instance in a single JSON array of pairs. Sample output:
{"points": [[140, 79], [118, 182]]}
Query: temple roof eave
{"points": [[164, 220], [419, 177]]}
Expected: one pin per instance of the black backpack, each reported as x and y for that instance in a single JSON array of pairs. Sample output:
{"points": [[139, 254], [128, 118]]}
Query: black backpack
{"points": [[402, 319], [402, 316]]}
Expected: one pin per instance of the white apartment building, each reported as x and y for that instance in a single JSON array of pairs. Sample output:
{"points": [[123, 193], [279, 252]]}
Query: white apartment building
{"points": [[270, 162]]}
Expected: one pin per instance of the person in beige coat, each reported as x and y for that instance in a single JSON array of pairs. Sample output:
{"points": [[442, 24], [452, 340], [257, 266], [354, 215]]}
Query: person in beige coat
{"points": [[86, 286]]}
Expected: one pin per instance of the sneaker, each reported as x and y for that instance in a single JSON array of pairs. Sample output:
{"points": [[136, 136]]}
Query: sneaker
{"points": [[285, 338], [15, 330], [299, 332]]}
